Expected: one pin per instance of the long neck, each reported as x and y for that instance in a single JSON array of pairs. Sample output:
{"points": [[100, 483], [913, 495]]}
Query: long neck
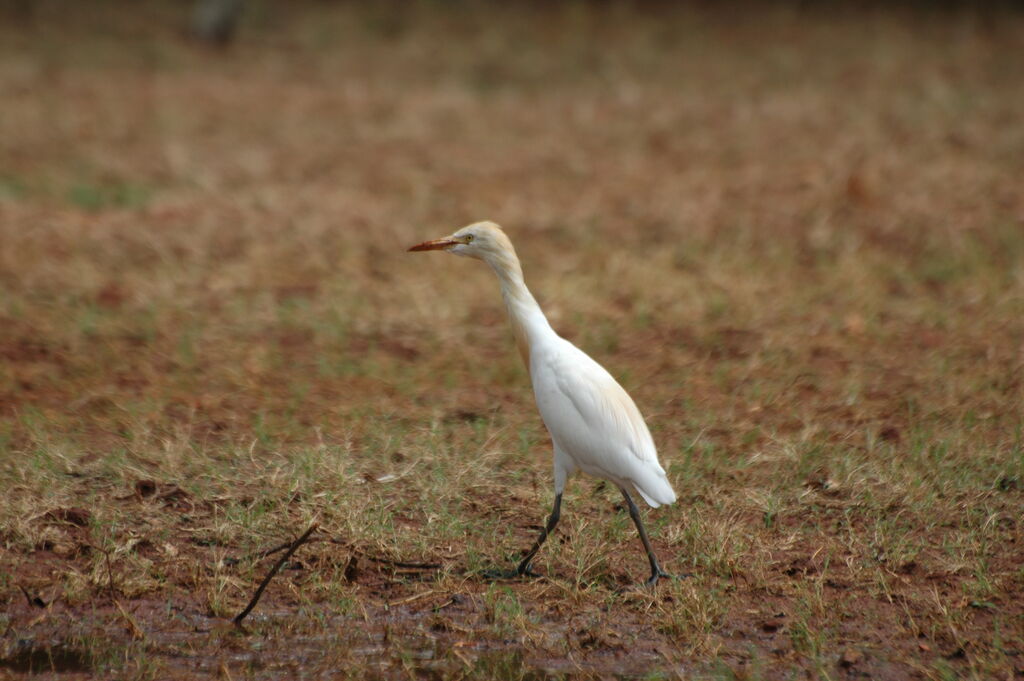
{"points": [[529, 325]]}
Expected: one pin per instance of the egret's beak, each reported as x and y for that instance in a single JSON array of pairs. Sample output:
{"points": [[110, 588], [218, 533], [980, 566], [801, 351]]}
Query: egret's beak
{"points": [[437, 244]]}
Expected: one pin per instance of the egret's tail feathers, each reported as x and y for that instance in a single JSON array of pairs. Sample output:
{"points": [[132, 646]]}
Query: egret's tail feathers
{"points": [[656, 491]]}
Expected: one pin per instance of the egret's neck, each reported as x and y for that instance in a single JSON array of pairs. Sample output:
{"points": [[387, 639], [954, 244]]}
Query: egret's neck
{"points": [[529, 325]]}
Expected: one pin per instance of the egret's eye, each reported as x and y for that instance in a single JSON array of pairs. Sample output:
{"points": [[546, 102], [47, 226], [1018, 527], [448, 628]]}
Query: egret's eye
{"points": [[469, 238]]}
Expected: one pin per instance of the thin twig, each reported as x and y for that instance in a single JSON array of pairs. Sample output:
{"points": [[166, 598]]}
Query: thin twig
{"points": [[386, 561], [265, 553], [136, 630], [400, 564], [33, 601], [260, 555], [270, 575], [110, 575]]}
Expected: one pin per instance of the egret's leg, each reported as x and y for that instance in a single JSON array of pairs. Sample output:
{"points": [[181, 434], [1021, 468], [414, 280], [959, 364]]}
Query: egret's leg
{"points": [[634, 513], [524, 565]]}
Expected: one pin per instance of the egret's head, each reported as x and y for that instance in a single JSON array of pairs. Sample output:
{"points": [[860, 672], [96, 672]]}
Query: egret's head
{"points": [[481, 240]]}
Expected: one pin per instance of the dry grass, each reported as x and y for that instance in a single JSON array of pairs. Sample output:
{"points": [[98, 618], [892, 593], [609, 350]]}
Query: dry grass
{"points": [[797, 238]]}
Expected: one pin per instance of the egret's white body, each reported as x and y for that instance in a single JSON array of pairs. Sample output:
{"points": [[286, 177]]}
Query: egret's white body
{"points": [[594, 424]]}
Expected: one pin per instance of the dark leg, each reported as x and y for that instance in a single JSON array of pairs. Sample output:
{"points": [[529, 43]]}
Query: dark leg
{"points": [[634, 513], [524, 565]]}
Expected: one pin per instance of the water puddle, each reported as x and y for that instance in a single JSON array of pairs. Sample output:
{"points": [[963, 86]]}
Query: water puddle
{"points": [[29, 658]]}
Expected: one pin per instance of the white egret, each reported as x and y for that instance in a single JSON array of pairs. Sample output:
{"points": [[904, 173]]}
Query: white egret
{"points": [[594, 424]]}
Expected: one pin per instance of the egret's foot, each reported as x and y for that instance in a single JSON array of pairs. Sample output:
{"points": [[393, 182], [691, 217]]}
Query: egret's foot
{"points": [[526, 570], [661, 574]]}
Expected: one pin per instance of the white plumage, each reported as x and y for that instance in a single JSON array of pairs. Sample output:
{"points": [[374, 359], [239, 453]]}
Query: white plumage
{"points": [[593, 422]]}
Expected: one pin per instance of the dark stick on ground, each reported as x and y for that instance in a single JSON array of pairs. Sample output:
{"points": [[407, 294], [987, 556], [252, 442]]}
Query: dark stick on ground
{"points": [[402, 564], [269, 552], [270, 575], [387, 561], [110, 576], [259, 555], [33, 601]]}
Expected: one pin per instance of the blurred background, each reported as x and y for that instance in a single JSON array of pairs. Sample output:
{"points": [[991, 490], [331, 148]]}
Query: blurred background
{"points": [[218, 194]]}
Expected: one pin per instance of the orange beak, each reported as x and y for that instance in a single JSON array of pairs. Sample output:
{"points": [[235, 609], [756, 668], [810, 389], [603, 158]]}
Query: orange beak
{"points": [[436, 245]]}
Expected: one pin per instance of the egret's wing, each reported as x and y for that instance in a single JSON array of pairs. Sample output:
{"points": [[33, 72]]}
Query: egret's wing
{"points": [[606, 409], [596, 422]]}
